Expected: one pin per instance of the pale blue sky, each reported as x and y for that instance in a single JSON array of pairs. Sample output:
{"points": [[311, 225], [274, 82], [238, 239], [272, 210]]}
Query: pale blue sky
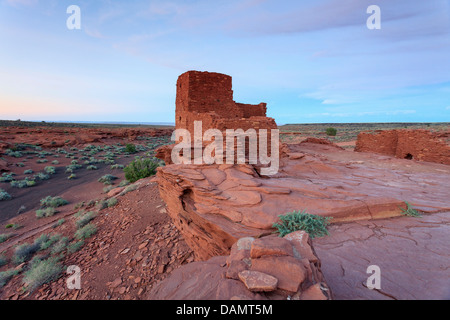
{"points": [[311, 61]]}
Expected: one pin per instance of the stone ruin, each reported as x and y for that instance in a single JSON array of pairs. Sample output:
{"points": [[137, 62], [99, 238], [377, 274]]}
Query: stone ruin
{"points": [[208, 97], [421, 145]]}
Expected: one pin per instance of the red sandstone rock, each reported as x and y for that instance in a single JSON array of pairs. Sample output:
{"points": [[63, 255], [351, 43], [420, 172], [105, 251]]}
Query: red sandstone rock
{"points": [[289, 272], [274, 277], [314, 293], [257, 281], [214, 205], [271, 246]]}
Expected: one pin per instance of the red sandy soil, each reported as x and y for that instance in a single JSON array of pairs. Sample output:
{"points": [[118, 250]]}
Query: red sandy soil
{"points": [[135, 247]]}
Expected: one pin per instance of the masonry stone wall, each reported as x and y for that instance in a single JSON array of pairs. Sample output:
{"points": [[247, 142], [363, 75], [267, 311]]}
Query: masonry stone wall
{"points": [[422, 145]]}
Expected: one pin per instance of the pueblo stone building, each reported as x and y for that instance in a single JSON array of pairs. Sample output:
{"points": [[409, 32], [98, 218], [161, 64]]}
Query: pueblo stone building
{"points": [[422, 145], [208, 97]]}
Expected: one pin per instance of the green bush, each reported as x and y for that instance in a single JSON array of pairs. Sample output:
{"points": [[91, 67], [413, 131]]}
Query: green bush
{"points": [[314, 225], [53, 202], [86, 232], [85, 219], [46, 241], [111, 202], [410, 211], [50, 170], [3, 261], [4, 237], [46, 212], [72, 176], [23, 183], [4, 195], [42, 176], [28, 171], [107, 179], [59, 223], [60, 246], [7, 275], [41, 272], [140, 168], [331, 132], [91, 167], [7, 177], [25, 252], [130, 148], [75, 246]]}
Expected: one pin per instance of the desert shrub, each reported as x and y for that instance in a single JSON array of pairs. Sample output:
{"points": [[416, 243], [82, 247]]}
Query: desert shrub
{"points": [[331, 132], [4, 195], [12, 153], [410, 211], [13, 226], [75, 246], [42, 176], [50, 170], [28, 171], [72, 176], [7, 275], [41, 161], [55, 162], [108, 189], [140, 168], [111, 202], [59, 223], [314, 225], [85, 219], [102, 204], [124, 183], [44, 241], [91, 167], [4, 237], [53, 202], [60, 246], [25, 252], [22, 183], [107, 179], [46, 212], [41, 272], [71, 168], [20, 164], [3, 261], [130, 148], [117, 166], [86, 232], [7, 177], [129, 188]]}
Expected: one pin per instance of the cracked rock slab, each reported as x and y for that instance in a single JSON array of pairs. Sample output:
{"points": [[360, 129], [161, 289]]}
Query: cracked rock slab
{"points": [[412, 254]]}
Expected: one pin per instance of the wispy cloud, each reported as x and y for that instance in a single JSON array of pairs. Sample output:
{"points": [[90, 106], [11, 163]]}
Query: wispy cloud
{"points": [[17, 3]]}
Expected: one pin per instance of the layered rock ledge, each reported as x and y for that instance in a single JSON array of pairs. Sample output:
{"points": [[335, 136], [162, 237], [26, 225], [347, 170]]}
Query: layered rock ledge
{"points": [[215, 205]]}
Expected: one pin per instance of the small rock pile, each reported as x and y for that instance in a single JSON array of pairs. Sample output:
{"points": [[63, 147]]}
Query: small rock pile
{"points": [[267, 268]]}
